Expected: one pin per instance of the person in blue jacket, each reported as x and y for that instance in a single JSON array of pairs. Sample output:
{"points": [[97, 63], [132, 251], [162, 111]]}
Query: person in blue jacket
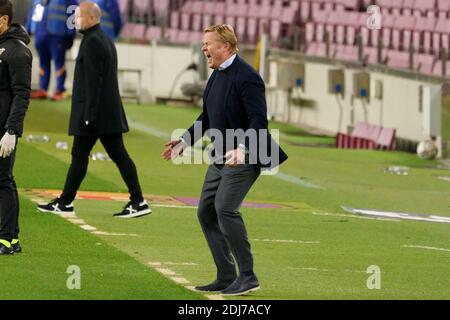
{"points": [[48, 21], [111, 20]]}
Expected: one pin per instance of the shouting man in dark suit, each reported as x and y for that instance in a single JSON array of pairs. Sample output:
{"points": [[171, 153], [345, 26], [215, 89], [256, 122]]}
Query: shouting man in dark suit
{"points": [[97, 113], [234, 100]]}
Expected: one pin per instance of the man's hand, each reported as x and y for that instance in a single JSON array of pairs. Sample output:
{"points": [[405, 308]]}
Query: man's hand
{"points": [[173, 149], [7, 145], [235, 157]]}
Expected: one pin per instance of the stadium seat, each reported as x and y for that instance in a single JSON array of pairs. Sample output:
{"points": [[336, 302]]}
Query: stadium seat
{"points": [[425, 63], [363, 136], [153, 33], [443, 7], [124, 6], [175, 20], [386, 139], [347, 53], [437, 69], [398, 60], [401, 35], [422, 34], [161, 6], [424, 8], [141, 7]]}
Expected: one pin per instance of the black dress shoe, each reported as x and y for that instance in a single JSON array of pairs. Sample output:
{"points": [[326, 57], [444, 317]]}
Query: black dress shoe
{"points": [[216, 285], [5, 250], [241, 286]]}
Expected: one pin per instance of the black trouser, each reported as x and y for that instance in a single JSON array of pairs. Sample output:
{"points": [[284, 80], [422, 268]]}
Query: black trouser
{"points": [[223, 191], [115, 148], [9, 200]]}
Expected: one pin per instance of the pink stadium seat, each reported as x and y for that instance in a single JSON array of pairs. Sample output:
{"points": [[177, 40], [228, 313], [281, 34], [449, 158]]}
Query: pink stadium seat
{"points": [[195, 37], [347, 53], [390, 7], [240, 27], [288, 15], [425, 63], [127, 30], [209, 7], [320, 18], [398, 60], [309, 29], [401, 35], [328, 5], [388, 22], [422, 8], [264, 10], [124, 5], [305, 11], [172, 34], [139, 32], [422, 33], [185, 20], [276, 10], [372, 55], [252, 30], [242, 9], [386, 139], [187, 7], [349, 4], [352, 22], [440, 36], [219, 13], [363, 136], [408, 7], [443, 8], [437, 69], [183, 36], [141, 7], [317, 49], [275, 31], [153, 33], [161, 6], [175, 20]]}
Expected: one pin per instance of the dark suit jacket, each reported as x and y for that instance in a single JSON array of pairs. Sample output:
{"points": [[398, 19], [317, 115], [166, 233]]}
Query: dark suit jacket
{"points": [[245, 108], [96, 96]]}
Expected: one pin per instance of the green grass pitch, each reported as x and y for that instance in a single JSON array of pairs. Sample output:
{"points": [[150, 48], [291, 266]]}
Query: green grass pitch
{"points": [[310, 250]]}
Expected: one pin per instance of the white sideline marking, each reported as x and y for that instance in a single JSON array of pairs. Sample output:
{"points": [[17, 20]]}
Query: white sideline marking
{"points": [[399, 215], [66, 215], [88, 227], [297, 181], [286, 241], [154, 264], [104, 233], [76, 221], [181, 263], [445, 178], [352, 216], [180, 280], [166, 272], [150, 130], [425, 247], [325, 270]]}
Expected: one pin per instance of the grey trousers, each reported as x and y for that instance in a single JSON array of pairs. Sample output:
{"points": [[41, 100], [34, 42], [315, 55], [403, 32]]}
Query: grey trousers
{"points": [[223, 191]]}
